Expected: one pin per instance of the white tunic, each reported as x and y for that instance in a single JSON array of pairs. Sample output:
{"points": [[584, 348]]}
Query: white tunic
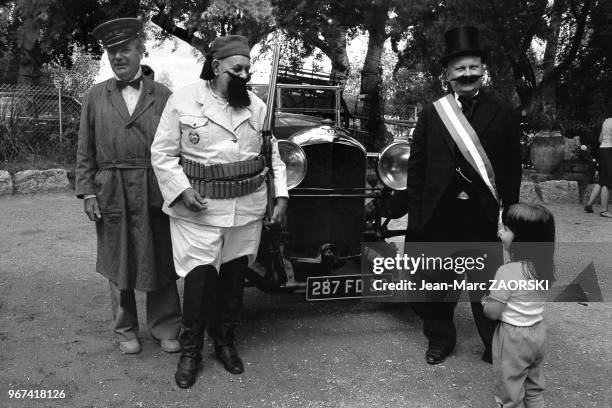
{"points": [[201, 127]]}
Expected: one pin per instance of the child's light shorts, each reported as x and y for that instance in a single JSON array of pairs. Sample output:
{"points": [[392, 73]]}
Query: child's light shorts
{"points": [[195, 244]]}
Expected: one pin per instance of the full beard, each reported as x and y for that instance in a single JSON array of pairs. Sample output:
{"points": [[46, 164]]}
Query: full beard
{"points": [[237, 94]]}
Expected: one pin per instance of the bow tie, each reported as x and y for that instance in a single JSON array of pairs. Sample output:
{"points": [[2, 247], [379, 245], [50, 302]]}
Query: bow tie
{"points": [[135, 83]]}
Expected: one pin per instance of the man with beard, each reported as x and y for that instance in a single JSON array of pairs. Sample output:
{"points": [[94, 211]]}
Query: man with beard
{"points": [[464, 167], [207, 157], [120, 191]]}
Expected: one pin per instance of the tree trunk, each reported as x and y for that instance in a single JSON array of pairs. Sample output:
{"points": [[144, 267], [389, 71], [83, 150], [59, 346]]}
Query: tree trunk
{"points": [[371, 80], [28, 40], [338, 54], [547, 100], [166, 23]]}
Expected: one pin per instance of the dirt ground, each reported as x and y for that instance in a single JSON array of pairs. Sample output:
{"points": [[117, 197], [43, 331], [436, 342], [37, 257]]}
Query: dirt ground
{"points": [[55, 316]]}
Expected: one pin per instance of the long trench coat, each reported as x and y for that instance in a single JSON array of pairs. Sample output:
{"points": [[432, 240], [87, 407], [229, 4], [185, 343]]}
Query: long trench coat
{"points": [[114, 163]]}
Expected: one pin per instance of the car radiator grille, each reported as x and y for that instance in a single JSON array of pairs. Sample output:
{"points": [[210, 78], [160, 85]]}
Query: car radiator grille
{"points": [[315, 219]]}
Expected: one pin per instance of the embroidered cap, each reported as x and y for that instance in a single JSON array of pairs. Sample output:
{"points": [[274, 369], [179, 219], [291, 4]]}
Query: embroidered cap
{"points": [[223, 47], [118, 31]]}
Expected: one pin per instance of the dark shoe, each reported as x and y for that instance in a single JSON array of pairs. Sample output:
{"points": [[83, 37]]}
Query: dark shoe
{"points": [[588, 209], [230, 359], [435, 355], [187, 371], [487, 357]]}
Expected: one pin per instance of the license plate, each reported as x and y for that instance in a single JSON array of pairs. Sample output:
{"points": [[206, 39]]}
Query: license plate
{"points": [[342, 287]]}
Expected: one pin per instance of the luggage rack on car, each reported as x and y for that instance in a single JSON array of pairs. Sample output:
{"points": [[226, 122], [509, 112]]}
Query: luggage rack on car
{"points": [[317, 100]]}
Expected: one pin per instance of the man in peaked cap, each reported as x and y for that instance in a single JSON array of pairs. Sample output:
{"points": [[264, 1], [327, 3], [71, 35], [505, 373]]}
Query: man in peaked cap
{"points": [[207, 157], [120, 191], [448, 196], [118, 31]]}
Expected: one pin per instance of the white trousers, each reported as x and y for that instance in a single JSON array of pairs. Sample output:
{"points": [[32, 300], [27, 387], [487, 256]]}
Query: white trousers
{"points": [[196, 244]]}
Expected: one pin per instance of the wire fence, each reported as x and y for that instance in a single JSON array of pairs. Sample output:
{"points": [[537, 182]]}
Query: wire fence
{"points": [[401, 112], [45, 109], [36, 119], [399, 121], [400, 129]]}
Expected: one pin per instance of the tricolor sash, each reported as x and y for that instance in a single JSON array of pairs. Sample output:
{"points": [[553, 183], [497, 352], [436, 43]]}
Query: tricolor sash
{"points": [[466, 139]]}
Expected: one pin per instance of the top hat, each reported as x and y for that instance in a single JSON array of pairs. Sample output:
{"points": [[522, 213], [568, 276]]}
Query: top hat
{"points": [[462, 41], [118, 31], [223, 47]]}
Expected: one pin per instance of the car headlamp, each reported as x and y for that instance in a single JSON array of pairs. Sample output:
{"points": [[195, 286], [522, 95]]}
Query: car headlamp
{"points": [[393, 165], [295, 161]]}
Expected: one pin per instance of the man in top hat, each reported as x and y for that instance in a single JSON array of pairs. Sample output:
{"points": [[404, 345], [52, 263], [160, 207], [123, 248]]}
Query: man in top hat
{"points": [[457, 187], [207, 157], [120, 191]]}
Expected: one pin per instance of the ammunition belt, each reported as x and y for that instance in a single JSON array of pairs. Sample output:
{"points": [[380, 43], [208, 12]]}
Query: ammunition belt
{"points": [[223, 171], [226, 180], [228, 188]]}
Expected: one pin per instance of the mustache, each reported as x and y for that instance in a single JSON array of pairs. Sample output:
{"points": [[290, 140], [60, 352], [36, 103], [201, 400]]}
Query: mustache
{"points": [[237, 94], [466, 79]]}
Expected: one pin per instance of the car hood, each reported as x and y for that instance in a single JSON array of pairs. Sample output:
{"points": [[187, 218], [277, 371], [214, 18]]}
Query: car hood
{"points": [[325, 134]]}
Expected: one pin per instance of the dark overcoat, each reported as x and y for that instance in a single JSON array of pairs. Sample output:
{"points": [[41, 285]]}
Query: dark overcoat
{"points": [[114, 163], [432, 161]]}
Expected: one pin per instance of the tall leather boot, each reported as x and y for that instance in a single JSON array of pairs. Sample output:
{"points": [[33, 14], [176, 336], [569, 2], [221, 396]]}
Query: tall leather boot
{"points": [[227, 313], [196, 304]]}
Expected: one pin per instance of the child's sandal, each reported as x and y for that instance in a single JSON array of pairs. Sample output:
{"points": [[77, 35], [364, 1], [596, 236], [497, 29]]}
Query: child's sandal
{"points": [[606, 214]]}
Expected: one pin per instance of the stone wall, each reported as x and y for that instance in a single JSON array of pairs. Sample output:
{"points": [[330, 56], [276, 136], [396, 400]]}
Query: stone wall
{"points": [[34, 181], [6, 183], [553, 191]]}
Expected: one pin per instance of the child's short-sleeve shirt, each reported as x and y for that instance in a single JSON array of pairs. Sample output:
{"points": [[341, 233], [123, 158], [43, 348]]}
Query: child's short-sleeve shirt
{"points": [[524, 307]]}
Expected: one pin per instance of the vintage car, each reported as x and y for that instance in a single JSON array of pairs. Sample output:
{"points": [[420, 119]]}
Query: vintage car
{"points": [[320, 243]]}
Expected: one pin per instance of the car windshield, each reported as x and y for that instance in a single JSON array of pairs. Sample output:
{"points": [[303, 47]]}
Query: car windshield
{"points": [[317, 102]]}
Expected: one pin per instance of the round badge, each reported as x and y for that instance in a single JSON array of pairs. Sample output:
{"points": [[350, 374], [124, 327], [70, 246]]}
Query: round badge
{"points": [[194, 137]]}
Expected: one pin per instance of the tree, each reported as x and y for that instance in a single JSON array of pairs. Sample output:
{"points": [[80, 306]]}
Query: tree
{"points": [[519, 72], [328, 25], [79, 77], [584, 92], [381, 23], [164, 78], [45, 31], [198, 22], [321, 24]]}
